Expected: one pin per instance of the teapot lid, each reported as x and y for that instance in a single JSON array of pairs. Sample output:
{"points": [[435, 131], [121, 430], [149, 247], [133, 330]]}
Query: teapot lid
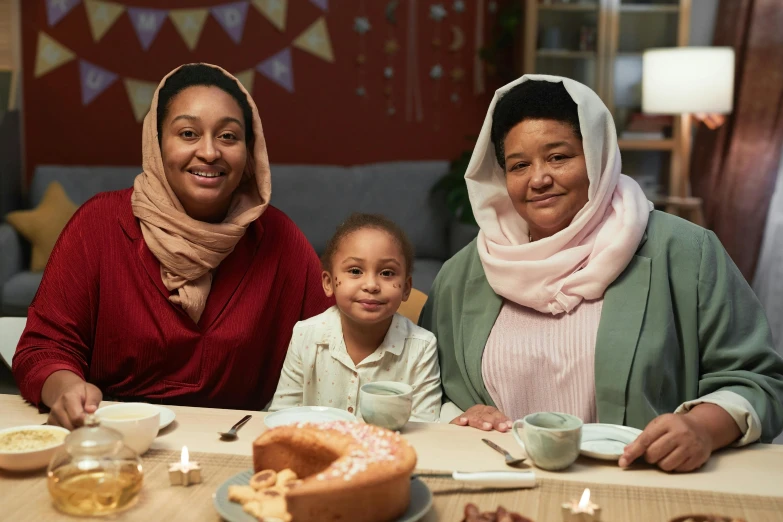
{"points": [[93, 438]]}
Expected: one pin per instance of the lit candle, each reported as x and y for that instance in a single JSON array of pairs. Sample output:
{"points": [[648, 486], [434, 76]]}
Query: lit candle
{"points": [[184, 472], [582, 511]]}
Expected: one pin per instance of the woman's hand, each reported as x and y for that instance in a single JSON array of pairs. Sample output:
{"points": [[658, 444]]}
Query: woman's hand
{"points": [[683, 442], [69, 398], [484, 418]]}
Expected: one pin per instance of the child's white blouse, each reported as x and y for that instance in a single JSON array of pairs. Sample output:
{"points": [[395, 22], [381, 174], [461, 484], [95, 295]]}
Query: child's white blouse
{"points": [[319, 372]]}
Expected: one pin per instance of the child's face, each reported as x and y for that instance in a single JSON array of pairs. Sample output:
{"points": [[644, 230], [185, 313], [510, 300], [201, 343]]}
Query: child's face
{"points": [[368, 278]]}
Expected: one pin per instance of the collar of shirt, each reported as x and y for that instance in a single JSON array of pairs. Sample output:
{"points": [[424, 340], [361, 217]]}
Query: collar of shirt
{"points": [[332, 339]]}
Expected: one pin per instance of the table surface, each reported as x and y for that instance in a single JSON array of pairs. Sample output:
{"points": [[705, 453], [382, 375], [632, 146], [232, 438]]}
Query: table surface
{"points": [[753, 470]]}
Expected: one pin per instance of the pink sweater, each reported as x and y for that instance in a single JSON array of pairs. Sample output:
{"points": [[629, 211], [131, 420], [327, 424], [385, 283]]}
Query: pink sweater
{"points": [[540, 362]]}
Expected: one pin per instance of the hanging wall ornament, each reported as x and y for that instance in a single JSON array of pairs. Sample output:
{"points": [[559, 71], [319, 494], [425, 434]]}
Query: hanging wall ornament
{"points": [[413, 102], [456, 48], [361, 26], [391, 48], [437, 14]]}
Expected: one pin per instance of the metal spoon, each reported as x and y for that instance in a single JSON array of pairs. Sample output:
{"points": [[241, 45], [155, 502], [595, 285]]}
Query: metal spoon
{"points": [[510, 461], [232, 433]]}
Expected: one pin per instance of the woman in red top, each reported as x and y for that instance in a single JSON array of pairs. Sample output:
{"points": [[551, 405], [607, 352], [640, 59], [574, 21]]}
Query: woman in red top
{"points": [[184, 289]]}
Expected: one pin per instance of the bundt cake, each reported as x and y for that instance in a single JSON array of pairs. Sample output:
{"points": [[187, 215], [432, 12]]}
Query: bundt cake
{"points": [[349, 471]]}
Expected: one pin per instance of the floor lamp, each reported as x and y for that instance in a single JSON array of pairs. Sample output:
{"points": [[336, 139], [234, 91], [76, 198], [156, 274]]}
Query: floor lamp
{"points": [[687, 82]]}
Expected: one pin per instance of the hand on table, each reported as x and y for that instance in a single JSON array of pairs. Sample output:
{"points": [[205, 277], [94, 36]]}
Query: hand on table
{"points": [[73, 402], [673, 442], [484, 418]]}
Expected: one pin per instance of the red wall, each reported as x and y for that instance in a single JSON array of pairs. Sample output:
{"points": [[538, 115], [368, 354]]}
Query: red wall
{"points": [[323, 122]]}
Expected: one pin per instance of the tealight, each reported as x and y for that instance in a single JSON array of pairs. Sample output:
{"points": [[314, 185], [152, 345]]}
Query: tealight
{"points": [[582, 511], [184, 472]]}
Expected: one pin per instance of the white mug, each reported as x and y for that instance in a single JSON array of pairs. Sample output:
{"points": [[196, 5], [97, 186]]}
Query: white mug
{"points": [[136, 421]]}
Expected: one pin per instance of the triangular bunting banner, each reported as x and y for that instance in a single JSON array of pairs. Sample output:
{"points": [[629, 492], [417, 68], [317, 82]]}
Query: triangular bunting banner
{"points": [[147, 23], [246, 79], [278, 69], [140, 96], [232, 18], [323, 5], [51, 55], [274, 11], [57, 9], [102, 16], [189, 23], [315, 40], [94, 80]]}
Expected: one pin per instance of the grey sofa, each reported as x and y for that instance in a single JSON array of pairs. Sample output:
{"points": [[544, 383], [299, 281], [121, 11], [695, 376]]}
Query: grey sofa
{"points": [[316, 198]]}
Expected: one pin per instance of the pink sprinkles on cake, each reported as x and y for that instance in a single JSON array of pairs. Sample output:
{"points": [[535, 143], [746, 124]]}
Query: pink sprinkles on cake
{"points": [[374, 445]]}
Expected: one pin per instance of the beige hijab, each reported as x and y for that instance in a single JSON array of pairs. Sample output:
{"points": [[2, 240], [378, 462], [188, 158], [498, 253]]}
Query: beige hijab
{"points": [[189, 250], [553, 275]]}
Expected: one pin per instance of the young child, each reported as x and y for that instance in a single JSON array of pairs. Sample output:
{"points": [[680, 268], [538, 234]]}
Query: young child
{"points": [[367, 268]]}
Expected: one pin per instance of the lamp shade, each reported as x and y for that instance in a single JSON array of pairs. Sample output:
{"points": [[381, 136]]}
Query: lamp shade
{"points": [[688, 80]]}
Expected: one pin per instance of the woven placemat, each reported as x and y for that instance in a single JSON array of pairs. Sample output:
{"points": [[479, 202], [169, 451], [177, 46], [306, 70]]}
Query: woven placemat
{"points": [[25, 497]]}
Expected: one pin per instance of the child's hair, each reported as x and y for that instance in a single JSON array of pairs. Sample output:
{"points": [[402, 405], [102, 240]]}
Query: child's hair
{"points": [[359, 221]]}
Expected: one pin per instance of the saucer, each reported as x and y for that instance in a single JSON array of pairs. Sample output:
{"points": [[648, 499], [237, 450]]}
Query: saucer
{"points": [[606, 441], [166, 417], [421, 500], [314, 414]]}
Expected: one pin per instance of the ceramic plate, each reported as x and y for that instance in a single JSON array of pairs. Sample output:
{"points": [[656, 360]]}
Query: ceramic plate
{"points": [[606, 441], [306, 414], [421, 500], [166, 417]]}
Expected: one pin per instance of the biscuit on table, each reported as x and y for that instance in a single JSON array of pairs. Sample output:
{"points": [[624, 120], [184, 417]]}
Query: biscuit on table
{"points": [[263, 479]]}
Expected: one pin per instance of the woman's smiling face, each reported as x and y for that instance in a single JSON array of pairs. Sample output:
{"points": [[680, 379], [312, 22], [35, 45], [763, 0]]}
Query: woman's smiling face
{"points": [[204, 150], [546, 174]]}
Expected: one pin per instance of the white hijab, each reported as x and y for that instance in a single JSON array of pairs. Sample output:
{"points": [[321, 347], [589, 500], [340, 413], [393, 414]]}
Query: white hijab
{"points": [[553, 275]]}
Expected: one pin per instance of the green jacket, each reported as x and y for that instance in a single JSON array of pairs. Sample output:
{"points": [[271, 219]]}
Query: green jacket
{"points": [[680, 322]]}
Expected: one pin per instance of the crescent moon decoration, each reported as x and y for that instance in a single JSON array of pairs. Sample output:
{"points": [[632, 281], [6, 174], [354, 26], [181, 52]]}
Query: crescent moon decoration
{"points": [[391, 11], [458, 41]]}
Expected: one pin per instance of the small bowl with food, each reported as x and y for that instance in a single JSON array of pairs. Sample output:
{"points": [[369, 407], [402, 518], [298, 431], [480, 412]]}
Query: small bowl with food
{"points": [[27, 448]]}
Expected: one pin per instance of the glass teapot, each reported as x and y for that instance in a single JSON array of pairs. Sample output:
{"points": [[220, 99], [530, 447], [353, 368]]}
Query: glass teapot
{"points": [[94, 473]]}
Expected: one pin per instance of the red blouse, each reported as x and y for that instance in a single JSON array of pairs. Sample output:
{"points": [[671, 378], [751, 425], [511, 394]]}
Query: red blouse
{"points": [[103, 313]]}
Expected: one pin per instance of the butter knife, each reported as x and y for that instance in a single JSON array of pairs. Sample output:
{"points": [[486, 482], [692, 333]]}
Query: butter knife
{"points": [[489, 479]]}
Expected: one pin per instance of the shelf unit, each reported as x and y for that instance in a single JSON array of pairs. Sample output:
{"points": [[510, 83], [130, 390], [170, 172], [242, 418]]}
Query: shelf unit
{"points": [[623, 30]]}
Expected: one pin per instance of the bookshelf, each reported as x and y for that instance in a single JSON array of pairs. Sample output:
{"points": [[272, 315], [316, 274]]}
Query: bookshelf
{"points": [[600, 43]]}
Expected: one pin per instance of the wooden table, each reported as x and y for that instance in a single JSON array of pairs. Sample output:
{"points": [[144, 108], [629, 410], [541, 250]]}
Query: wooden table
{"points": [[755, 470]]}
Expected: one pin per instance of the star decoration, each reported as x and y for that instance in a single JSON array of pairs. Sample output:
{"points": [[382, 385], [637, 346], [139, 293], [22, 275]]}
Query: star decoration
{"points": [[436, 73], [361, 91], [388, 72], [457, 74], [459, 6], [391, 47], [361, 25], [492, 7], [437, 12], [454, 97]]}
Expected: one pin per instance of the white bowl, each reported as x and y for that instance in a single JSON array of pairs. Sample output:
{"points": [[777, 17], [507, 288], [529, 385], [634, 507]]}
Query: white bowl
{"points": [[31, 459], [136, 421]]}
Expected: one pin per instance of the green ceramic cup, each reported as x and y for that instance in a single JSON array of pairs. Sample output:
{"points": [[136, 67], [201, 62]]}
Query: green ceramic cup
{"points": [[551, 440]]}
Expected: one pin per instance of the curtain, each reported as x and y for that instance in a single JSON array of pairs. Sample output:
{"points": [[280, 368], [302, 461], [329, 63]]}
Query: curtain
{"points": [[733, 168]]}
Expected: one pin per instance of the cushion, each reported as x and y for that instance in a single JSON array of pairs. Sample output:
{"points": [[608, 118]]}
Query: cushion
{"points": [[18, 293], [42, 225]]}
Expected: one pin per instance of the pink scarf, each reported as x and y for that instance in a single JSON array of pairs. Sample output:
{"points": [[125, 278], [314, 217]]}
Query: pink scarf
{"points": [[553, 275]]}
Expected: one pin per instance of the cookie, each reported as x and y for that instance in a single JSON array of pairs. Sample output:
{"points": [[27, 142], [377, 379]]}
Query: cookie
{"points": [[241, 494], [285, 476], [263, 479]]}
